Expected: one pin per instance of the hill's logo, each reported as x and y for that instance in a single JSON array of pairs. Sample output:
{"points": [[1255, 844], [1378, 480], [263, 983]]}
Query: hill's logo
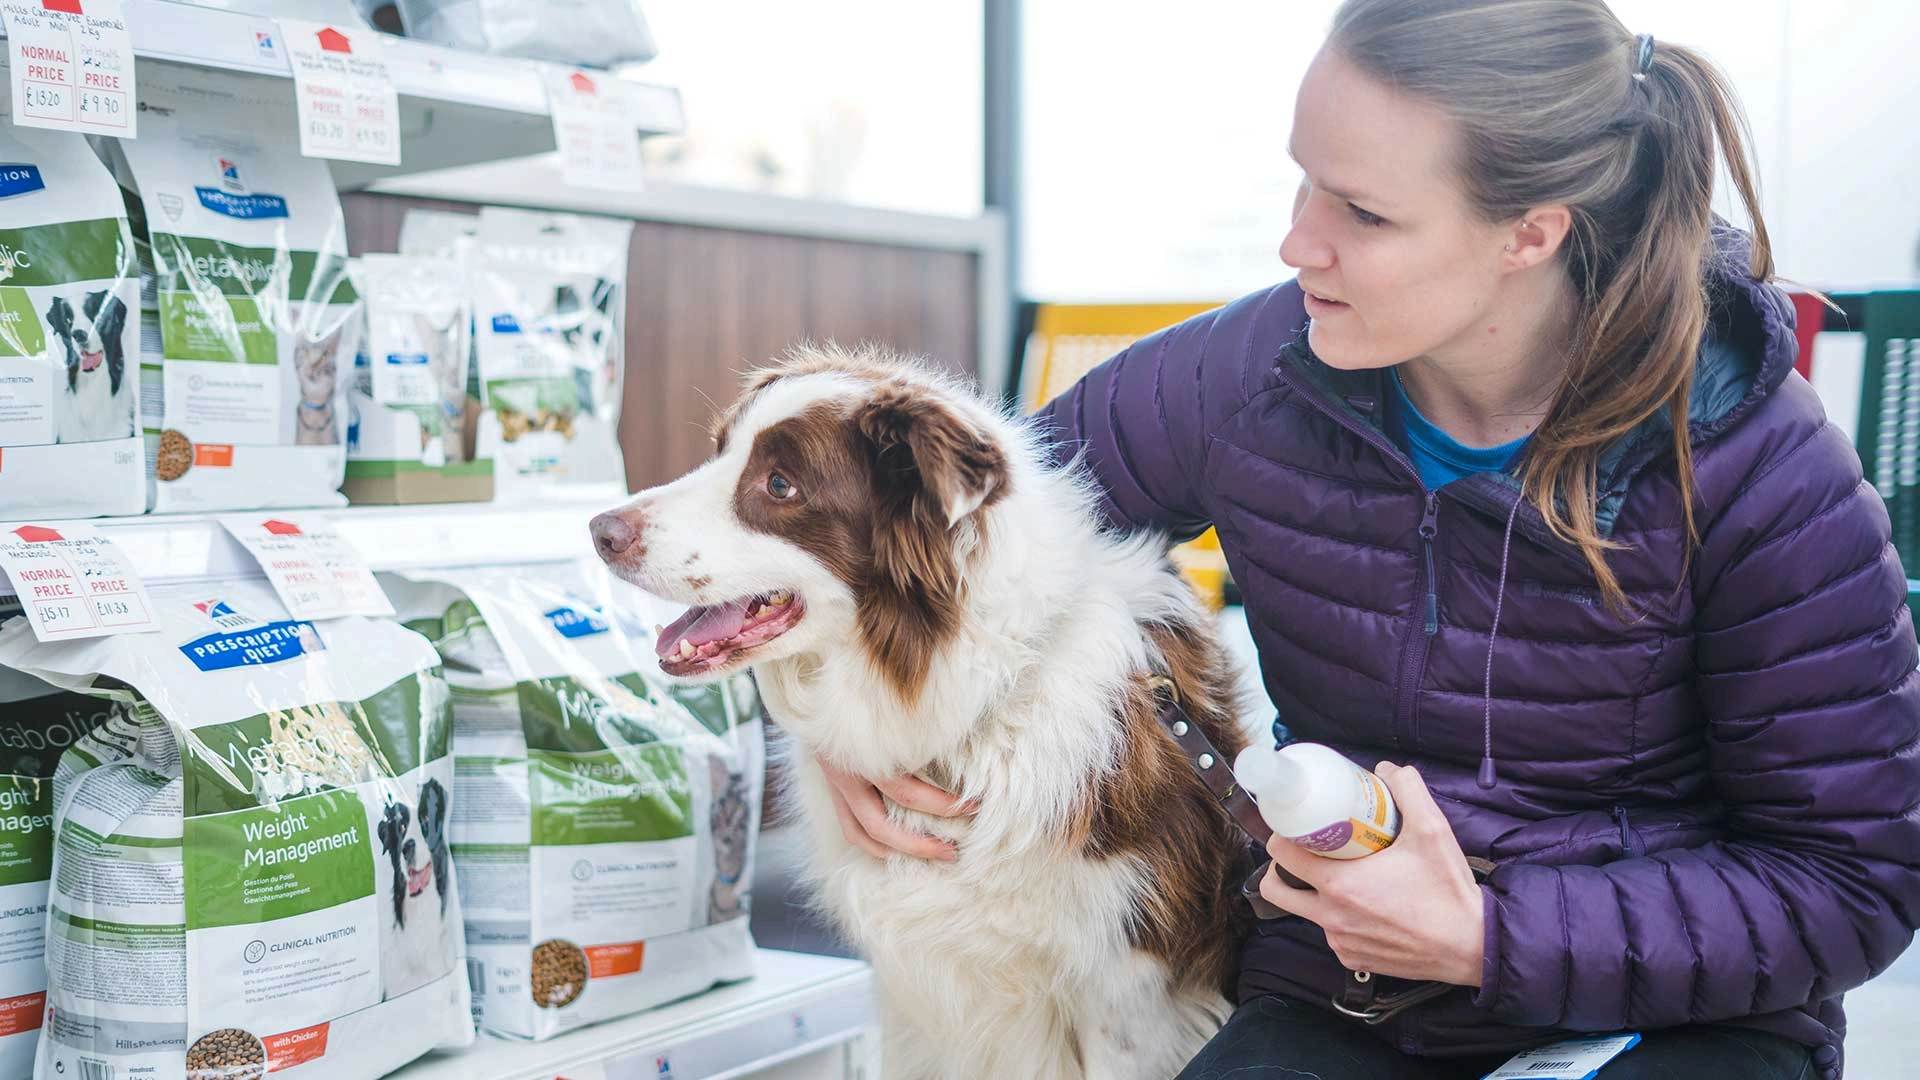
{"points": [[233, 199], [243, 640]]}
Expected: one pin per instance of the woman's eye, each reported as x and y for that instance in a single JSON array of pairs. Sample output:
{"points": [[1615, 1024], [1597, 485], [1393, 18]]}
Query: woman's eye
{"points": [[780, 487], [1364, 217]]}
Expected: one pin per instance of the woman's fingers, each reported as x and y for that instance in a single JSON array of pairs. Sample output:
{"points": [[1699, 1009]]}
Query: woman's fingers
{"points": [[916, 794]]}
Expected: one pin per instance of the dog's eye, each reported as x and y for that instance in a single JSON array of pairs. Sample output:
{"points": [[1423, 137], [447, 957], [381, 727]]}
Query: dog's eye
{"points": [[780, 487]]}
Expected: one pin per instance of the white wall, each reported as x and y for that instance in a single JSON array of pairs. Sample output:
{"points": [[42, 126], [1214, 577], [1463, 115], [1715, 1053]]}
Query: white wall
{"points": [[1155, 163]]}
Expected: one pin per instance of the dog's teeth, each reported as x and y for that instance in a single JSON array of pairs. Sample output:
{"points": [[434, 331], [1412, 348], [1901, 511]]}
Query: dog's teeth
{"points": [[780, 599], [687, 650]]}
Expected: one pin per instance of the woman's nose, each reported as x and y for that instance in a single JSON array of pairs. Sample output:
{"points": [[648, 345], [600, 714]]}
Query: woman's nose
{"points": [[1303, 249]]}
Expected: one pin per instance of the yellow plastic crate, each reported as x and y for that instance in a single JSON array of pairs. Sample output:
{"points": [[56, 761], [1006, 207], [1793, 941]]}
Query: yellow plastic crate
{"points": [[1070, 340]]}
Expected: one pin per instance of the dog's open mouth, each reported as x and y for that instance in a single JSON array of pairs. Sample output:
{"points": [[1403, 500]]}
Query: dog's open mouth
{"points": [[90, 361], [706, 638], [418, 880]]}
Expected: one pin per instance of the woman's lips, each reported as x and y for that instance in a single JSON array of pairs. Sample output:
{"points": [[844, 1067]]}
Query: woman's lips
{"points": [[1320, 307]]}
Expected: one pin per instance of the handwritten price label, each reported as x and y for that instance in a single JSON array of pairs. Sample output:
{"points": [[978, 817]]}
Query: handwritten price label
{"points": [[71, 71], [595, 132], [74, 583], [348, 108], [315, 571]]}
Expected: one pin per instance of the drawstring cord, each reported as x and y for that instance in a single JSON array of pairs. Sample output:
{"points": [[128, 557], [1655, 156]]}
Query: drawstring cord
{"points": [[1488, 777]]}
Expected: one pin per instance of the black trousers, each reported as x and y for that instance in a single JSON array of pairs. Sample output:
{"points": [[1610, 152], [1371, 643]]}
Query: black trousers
{"points": [[1274, 1039]]}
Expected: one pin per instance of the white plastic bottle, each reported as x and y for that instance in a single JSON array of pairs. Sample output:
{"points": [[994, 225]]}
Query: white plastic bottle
{"points": [[1316, 798]]}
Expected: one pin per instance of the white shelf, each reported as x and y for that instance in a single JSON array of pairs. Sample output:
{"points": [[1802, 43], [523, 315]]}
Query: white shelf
{"points": [[456, 108], [549, 527], [798, 1005]]}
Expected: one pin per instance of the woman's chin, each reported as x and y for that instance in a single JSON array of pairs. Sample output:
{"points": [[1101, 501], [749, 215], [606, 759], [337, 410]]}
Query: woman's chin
{"points": [[1335, 348]]}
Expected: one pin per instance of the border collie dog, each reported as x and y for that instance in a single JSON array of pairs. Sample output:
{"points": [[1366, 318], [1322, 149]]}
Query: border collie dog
{"points": [[917, 590], [85, 342], [416, 929]]}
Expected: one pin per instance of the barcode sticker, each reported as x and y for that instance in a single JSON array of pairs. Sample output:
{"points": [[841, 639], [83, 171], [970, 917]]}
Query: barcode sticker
{"points": [[476, 977], [1570, 1059], [95, 1070]]}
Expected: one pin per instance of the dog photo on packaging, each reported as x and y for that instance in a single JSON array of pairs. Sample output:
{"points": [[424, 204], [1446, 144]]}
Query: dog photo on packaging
{"points": [[85, 341], [918, 591]]}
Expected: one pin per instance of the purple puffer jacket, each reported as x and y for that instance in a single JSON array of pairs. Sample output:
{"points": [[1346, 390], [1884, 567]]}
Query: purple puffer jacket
{"points": [[1703, 813]]}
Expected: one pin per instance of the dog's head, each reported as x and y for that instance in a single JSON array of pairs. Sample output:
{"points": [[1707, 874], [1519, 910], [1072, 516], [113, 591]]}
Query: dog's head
{"points": [[90, 335], [403, 840], [841, 509]]}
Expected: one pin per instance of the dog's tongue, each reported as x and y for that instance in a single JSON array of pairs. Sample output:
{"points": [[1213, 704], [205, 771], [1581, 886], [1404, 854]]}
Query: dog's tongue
{"points": [[703, 626], [89, 361], [417, 879]]}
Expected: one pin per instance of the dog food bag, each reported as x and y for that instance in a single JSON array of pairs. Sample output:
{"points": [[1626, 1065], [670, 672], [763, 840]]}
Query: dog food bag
{"points": [[250, 868], [245, 381], [604, 823], [412, 424], [69, 331], [38, 722], [548, 300]]}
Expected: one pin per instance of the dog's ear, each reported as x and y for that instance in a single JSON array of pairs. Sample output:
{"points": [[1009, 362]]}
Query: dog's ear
{"points": [[926, 453], [112, 320], [60, 315], [433, 807], [931, 470], [393, 826]]}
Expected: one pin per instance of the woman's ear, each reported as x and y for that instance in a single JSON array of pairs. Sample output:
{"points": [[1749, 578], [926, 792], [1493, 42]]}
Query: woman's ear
{"points": [[1536, 236]]}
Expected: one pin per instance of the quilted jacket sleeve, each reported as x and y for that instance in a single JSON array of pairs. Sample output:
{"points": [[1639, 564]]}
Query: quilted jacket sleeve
{"points": [[1805, 658], [1142, 419]]}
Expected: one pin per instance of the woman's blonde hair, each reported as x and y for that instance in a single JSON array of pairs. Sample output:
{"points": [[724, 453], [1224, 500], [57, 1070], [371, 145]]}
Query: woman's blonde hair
{"points": [[1557, 102]]}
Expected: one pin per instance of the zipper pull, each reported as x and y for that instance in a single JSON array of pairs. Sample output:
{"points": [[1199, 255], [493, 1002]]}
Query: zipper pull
{"points": [[1626, 837], [1430, 520]]}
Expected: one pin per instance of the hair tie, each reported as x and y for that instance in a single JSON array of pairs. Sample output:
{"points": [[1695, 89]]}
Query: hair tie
{"points": [[1645, 62]]}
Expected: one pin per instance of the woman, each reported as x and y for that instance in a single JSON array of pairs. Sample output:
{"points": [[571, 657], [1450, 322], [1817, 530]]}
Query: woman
{"points": [[1536, 510]]}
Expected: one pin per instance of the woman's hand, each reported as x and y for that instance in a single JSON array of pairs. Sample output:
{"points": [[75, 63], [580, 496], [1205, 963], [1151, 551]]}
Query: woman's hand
{"points": [[1412, 911], [863, 814]]}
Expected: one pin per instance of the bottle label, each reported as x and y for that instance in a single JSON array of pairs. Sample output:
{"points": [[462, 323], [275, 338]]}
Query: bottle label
{"points": [[1360, 835]]}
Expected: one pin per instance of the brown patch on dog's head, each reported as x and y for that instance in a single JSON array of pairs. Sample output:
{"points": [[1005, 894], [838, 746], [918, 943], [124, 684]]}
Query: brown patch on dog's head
{"points": [[879, 483], [867, 363], [931, 469]]}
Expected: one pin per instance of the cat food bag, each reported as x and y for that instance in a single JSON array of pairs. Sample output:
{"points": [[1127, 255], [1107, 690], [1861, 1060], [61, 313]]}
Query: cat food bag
{"points": [[412, 423], [250, 867], [256, 322], [605, 822], [38, 723], [549, 294], [69, 331]]}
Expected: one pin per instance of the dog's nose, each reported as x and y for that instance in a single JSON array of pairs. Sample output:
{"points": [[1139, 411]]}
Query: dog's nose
{"points": [[613, 534]]}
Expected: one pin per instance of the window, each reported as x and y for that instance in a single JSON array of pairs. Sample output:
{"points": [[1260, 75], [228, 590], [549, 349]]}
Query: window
{"points": [[860, 101]]}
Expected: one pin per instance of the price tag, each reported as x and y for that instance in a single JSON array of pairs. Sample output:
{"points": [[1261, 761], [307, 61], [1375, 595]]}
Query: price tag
{"points": [[343, 95], [74, 583], [1570, 1059], [316, 572], [72, 65], [598, 140]]}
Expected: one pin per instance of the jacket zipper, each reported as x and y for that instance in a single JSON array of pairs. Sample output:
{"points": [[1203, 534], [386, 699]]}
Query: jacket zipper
{"points": [[1425, 622]]}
